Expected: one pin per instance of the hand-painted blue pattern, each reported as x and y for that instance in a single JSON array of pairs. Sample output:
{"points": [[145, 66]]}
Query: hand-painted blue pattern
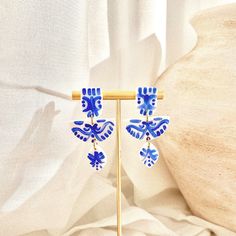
{"points": [[91, 101], [97, 159], [153, 128], [146, 99], [149, 156], [100, 130]]}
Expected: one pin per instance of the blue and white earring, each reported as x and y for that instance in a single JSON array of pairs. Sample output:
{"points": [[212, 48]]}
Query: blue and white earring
{"points": [[96, 130], [147, 128]]}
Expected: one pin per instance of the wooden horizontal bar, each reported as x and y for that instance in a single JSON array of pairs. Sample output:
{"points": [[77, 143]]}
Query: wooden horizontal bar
{"points": [[116, 95]]}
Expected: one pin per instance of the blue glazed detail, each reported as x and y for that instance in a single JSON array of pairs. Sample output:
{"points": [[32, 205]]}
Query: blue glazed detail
{"points": [[97, 159], [149, 156], [91, 101], [146, 99], [100, 130], [152, 128]]}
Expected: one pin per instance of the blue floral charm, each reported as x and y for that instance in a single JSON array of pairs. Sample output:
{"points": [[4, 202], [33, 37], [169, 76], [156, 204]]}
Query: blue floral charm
{"points": [[95, 130], [149, 155], [97, 158], [148, 128]]}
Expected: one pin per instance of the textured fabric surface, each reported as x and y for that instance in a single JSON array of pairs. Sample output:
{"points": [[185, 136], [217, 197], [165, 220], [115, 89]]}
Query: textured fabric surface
{"points": [[49, 48]]}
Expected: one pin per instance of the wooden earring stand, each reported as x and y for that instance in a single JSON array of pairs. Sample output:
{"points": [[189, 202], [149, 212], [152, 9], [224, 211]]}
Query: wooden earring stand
{"points": [[118, 96]]}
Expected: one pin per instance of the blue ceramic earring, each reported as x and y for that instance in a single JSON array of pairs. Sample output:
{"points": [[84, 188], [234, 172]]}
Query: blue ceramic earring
{"points": [[148, 128], [95, 131]]}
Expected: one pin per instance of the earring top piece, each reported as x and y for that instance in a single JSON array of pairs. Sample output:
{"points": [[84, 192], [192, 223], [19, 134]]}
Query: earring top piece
{"points": [[146, 99], [92, 101]]}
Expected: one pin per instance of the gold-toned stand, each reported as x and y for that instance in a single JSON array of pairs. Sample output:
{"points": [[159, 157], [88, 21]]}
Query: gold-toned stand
{"points": [[118, 96]]}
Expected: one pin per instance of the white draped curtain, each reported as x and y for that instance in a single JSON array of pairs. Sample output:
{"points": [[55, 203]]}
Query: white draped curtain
{"points": [[49, 48]]}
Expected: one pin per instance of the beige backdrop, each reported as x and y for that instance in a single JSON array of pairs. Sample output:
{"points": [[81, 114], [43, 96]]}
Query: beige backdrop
{"points": [[49, 48]]}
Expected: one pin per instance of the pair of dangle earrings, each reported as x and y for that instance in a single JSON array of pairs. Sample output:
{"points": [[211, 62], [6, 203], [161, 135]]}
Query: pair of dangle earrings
{"points": [[101, 129]]}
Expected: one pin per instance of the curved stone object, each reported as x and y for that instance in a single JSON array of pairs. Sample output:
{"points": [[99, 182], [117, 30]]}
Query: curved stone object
{"points": [[200, 146]]}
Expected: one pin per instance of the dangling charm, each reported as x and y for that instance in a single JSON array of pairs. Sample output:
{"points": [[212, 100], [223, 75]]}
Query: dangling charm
{"points": [[149, 129], [97, 158], [149, 154], [98, 130]]}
